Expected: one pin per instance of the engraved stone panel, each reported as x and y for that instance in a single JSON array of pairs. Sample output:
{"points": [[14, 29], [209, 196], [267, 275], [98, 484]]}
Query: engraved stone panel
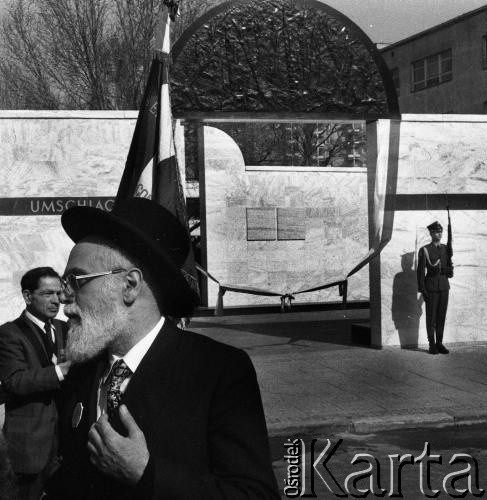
{"points": [[261, 224], [291, 224]]}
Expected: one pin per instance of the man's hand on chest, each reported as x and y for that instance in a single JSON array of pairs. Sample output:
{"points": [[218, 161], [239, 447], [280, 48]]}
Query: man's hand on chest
{"points": [[123, 458]]}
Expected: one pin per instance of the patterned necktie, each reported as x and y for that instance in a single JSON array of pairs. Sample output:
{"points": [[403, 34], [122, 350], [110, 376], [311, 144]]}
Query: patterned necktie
{"points": [[119, 372]]}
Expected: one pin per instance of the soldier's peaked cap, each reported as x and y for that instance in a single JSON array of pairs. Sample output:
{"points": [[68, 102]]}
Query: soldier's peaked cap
{"points": [[435, 226]]}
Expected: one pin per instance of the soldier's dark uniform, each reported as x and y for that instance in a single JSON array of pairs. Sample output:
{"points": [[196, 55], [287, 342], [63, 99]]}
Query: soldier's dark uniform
{"points": [[434, 285]]}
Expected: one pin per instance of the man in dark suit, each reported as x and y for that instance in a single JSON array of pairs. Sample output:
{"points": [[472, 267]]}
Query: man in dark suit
{"points": [[434, 286], [154, 411], [31, 371], [7, 482]]}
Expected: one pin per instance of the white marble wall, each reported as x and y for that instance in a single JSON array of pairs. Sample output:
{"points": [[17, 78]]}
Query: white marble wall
{"points": [[50, 154], [442, 157], [334, 205], [27, 242], [437, 155], [403, 313], [55, 154]]}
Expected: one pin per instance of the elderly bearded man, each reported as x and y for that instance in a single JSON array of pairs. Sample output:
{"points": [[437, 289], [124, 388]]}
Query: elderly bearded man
{"points": [[154, 412]]}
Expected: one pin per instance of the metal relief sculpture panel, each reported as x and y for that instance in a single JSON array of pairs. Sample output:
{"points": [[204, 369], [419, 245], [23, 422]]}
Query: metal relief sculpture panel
{"points": [[279, 55]]}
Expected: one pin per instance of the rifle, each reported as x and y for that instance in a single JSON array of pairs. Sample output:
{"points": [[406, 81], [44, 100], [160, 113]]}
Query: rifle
{"points": [[449, 247]]}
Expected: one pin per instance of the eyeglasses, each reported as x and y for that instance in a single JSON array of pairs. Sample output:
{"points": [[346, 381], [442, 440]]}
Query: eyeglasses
{"points": [[71, 283]]}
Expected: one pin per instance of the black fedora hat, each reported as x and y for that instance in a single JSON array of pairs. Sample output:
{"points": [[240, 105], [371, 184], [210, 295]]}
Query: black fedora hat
{"points": [[148, 232]]}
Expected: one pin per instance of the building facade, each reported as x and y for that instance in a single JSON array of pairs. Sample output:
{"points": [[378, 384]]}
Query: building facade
{"points": [[443, 69]]}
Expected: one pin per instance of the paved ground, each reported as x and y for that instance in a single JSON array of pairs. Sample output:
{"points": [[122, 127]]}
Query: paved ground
{"points": [[312, 377], [316, 384]]}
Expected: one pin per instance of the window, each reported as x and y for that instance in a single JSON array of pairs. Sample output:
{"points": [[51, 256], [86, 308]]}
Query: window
{"points": [[431, 71], [396, 80]]}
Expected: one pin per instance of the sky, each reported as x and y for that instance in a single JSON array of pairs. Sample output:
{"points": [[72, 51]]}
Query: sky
{"points": [[392, 20], [387, 21]]}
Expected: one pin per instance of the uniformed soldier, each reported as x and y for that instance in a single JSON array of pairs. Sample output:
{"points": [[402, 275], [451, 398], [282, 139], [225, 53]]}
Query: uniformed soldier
{"points": [[434, 286]]}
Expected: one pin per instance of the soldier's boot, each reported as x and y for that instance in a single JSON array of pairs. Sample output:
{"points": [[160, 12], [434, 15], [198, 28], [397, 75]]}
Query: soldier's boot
{"points": [[441, 348], [433, 349], [431, 341], [439, 344]]}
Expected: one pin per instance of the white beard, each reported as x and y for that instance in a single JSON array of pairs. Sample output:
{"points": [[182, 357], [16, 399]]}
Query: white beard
{"points": [[92, 331]]}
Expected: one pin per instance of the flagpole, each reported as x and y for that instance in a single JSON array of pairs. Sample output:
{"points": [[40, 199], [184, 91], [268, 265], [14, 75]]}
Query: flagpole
{"points": [[151, 170], [167, 188]]}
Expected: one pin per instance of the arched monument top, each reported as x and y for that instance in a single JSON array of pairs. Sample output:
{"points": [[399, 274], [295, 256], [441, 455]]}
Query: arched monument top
{"points": [[390, 105]]}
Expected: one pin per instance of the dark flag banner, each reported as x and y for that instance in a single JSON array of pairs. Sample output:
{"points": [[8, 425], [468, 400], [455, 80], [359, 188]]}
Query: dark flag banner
{"points": [[137, 176], [151, 170]]}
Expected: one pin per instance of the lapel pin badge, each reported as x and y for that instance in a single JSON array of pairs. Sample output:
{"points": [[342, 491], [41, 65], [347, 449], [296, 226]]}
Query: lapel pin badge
{"points": [[77, 415]]}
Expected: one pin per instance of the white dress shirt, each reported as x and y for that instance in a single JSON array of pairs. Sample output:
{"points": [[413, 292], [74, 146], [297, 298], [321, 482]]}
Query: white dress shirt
{"points": [[132, 360], [41, 325]]}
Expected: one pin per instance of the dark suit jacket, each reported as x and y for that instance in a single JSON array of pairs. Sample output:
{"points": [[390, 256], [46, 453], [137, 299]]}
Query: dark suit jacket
{"points": [[435, 279], [31, 385], [198, 404]]}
